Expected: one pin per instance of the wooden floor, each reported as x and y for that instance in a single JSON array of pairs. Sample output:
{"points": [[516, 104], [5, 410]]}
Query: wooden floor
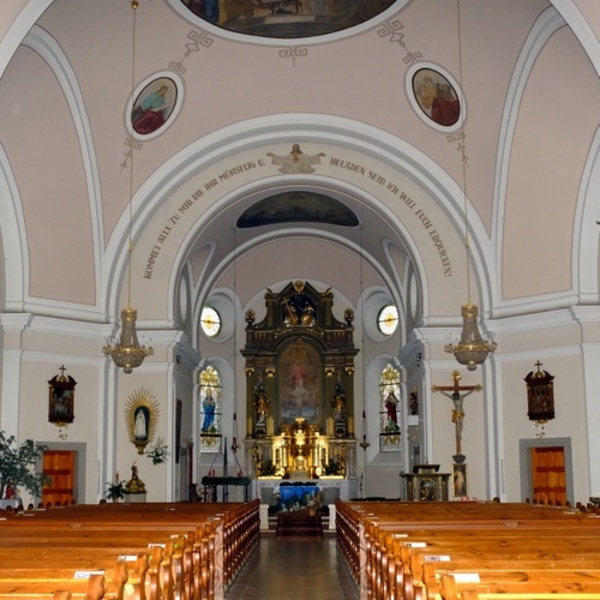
{"points": [[298, 568]]}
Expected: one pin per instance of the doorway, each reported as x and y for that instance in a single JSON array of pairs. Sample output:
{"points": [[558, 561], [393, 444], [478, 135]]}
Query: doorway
{"points": [[59, 465], [546, 472], [65, 464]]}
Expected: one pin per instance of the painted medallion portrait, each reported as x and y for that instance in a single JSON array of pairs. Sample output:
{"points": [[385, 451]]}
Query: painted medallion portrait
{"points": [[153, 106], [286, 18], [436, 97]]}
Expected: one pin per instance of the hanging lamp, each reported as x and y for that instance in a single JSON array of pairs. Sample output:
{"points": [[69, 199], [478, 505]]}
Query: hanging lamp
{"points": [[128, 354], [472, 350]]}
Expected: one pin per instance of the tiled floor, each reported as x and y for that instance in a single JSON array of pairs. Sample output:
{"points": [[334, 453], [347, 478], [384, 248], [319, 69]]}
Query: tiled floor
{"points": [[300, 569]]}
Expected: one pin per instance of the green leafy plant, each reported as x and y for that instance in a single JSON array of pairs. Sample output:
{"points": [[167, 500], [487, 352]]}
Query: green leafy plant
{"points": [[18, 465], [116, 490], [159, 452]]}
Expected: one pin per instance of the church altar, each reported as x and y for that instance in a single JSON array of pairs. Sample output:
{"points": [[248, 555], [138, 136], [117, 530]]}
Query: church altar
{"points": [[299, 365], [266, 489], [295, 497]]}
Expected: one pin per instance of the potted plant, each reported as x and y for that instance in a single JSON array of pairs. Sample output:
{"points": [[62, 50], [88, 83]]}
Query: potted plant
{"points": [[18, 466], [116, 490]]}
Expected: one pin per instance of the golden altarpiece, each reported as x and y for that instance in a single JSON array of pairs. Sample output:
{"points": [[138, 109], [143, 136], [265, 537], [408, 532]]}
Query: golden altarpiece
{"points": [[299, 365]]}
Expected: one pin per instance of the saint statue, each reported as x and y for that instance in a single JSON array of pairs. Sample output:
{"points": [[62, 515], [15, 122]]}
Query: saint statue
{"points": [[338, 403], [141, 427], [261, 404]]}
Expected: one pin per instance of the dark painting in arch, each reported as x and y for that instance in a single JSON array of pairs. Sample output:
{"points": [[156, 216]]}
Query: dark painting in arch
{"points": [[153, 106], [436, 97], [297, 207], [286, 18]]}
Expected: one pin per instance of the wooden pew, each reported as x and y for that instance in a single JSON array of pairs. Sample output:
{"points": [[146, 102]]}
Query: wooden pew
{"points": [[372, 538], [195, 563]]}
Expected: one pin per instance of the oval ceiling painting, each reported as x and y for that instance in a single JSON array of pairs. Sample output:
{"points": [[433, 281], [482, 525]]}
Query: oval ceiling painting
{"points": [[153, 106], [286, 18]]}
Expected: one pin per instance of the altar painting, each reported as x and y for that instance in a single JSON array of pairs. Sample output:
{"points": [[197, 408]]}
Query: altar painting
{"points": [[300, 383]]}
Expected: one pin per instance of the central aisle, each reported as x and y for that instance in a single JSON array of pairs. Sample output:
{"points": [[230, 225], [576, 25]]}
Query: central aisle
{"points": [[302, 569]]}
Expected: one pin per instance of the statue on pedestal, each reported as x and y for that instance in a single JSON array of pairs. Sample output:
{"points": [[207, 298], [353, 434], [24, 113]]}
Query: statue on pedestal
{"points": [[338, 403], [261, 406]]}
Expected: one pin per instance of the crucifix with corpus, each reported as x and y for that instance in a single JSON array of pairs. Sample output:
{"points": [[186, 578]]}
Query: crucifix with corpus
{"points": [[458, 414]]}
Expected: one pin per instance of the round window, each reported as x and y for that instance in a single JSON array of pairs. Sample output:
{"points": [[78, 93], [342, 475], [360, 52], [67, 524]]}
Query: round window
{"points": [[210, 321], [387, 320]]}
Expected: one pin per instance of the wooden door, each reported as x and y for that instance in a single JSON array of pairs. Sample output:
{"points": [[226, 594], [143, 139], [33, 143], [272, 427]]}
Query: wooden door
{"points": [[549, 476], [60, 465]]}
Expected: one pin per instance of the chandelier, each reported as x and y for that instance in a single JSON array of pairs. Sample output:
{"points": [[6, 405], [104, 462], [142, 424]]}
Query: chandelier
{"points": [[128, 354], [472, 350]]}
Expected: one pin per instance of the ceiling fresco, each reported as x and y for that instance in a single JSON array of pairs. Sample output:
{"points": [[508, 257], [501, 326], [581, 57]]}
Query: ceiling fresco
{"points": [[296, 207], [286, 18]]}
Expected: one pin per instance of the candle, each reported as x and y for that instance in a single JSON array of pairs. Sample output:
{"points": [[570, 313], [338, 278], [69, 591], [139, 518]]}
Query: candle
{"points": [[329, 427], [249, 428], [351, 425], [270, 426]]}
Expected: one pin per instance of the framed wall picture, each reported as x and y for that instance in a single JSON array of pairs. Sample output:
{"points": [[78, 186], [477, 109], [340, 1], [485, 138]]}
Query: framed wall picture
{"points": [[540, 395], [459, 480], [61, 399]]}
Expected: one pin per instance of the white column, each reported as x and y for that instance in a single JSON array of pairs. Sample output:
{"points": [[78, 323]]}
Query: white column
{"points": [[13, 326], [591, 378]]}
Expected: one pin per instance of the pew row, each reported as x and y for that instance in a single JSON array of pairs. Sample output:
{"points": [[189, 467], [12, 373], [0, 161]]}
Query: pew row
{"points": [[141, 551], [414, 551]]}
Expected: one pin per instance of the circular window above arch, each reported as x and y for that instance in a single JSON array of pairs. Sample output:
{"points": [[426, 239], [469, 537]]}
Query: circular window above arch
{"points": [[286, 19], [210, 322], [380, 315], [216, 320], [387, 319]]}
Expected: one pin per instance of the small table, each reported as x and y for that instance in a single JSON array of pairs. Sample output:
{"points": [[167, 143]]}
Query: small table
{"points": [[426, 487], [212, 483]]}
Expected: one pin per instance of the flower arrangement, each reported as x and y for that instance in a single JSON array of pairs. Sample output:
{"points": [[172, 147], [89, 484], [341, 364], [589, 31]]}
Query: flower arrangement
{"points": [[159, 452]]}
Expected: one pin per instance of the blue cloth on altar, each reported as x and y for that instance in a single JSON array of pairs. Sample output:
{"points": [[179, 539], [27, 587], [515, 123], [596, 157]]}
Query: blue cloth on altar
{"points": [[295, 497]]}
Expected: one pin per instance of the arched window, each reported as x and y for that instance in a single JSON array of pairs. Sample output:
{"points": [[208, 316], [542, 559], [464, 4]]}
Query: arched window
{"points": [[210, 410], [390, 438]]}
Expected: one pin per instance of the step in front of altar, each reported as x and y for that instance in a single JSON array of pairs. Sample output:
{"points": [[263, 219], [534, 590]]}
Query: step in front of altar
{"points": [[268, 520], [272, 526], [299, 523]]}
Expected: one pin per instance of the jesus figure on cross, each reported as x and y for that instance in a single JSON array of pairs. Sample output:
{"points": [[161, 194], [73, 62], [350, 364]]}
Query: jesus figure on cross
{"points": [[458, 414]]}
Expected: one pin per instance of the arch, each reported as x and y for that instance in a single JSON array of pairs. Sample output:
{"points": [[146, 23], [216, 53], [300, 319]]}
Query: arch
{"points": [[419, 173]]}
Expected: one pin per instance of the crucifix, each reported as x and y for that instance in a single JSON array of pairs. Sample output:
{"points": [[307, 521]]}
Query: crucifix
{"points": [[458, 413]]}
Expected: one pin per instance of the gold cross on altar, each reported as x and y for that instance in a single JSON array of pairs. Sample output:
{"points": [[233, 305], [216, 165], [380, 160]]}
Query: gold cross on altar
{"points": [[458, 414]]}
